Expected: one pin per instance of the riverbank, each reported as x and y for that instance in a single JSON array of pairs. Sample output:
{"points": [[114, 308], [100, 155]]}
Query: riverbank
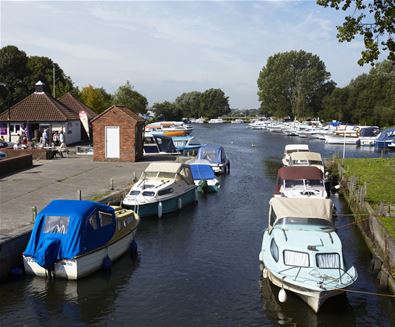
{"points": [[368, 186], [65, 178]]}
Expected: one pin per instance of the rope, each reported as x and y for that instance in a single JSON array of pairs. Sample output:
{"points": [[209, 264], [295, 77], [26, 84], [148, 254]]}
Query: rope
{"points": [[368, 293]]}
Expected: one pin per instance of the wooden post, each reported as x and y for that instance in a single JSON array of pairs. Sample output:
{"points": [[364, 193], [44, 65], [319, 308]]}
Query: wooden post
{"points": [[111, 184], [34, 213], [79, 195]]}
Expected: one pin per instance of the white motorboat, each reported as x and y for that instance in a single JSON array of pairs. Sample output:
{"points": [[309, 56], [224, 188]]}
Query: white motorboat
{"points": [[216, 121], [162, 188], [306, 159], [72, 239], [290, 148], [300, 181], [302, 253]]}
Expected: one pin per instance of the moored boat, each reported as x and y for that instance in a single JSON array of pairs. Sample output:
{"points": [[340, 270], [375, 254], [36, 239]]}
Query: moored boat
{"points": [[291, 148], [186, 144], [204, 176], [71, 239], [215, 154], [385, 138], [162, 188], [302, 253], [306, 159]]}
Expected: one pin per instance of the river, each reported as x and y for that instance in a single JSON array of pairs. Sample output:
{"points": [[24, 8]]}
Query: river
{"points": [[199, 266]]}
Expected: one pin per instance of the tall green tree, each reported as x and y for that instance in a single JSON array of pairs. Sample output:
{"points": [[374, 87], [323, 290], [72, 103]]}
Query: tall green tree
{"points": [[167, 111], [373, 20], [189, 104], [213, 103], [13, 76], [290, 83], [125, 95], [42, 69], [96, 98]]}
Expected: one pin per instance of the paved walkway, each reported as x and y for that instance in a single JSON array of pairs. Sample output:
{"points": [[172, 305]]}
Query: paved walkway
{"points": [[58, 179]]}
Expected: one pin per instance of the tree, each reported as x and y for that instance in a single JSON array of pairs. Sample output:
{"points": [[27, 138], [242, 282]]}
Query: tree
{"points": [[41, 69], [213, 103], [167, 111], [13, 76], [290, 83], [189, 104], [96, 98], [125, 95], [373, 20]]}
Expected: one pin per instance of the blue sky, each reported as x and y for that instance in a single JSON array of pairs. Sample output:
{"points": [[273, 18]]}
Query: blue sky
{"points": [[165, 48]]}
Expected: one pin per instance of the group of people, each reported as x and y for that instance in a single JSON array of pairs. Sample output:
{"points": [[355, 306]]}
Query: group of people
{"points": [[56, 138]]}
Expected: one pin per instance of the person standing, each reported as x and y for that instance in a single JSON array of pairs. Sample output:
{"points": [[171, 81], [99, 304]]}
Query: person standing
{"points": [[45, 137], [61, 137]]}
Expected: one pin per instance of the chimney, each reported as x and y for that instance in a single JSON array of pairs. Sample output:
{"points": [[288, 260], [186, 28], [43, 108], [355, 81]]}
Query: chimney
{"points": [[39, 87]]}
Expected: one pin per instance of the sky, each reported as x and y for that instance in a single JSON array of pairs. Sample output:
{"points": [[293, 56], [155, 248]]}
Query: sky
{"points": [[166, 48]]}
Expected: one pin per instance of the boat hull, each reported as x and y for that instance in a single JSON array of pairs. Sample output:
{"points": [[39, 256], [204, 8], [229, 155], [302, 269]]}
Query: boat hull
{"points": [[313, 299], [330, 139], [168, 205], [83, 265]]}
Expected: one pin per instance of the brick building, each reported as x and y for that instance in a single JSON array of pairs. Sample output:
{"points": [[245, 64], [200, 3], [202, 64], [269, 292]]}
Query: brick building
{"points": [[118, 135]]}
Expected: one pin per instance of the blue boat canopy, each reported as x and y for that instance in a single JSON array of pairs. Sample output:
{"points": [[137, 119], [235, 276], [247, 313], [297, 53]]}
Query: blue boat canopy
{"points": [[65, 229], [212, 152], [202, 171]]}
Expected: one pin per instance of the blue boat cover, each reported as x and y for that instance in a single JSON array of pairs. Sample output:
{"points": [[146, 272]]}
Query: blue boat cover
{"points": [[213, 153], [387, 134], [202, 172], [65, 229]]}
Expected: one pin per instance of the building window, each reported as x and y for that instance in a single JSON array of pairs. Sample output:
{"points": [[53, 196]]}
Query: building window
{"points": [[15, 128]]}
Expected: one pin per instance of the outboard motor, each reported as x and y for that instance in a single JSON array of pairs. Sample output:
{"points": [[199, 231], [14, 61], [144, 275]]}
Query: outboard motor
{"points": [[47, 254]]}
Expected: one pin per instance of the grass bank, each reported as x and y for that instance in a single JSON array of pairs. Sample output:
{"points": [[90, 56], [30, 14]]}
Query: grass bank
{"points": [[379, 176]]}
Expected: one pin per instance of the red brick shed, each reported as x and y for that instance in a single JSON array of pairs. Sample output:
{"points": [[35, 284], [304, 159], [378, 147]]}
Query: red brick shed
{"points": [[118, 135]]}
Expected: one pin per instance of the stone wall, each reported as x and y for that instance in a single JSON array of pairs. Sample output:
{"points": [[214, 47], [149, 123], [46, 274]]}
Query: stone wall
{"points": [[37, 154], [13, 164]]}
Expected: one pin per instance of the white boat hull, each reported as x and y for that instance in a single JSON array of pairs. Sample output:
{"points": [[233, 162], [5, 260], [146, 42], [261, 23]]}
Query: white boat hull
{"points": [[332, 139], [83, 265]]}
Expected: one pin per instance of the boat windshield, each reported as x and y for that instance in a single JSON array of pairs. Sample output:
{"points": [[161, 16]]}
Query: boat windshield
{"points": [[311, 222], [293, 182], [166, 175], [313, 182], [316, 162]]}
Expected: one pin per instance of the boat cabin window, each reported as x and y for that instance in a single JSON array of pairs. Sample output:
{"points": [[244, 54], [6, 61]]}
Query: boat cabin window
{"points": [[313, 182], [274, 250], [295, 258], [56, 224], [149, 140], [294, 182], [92, 221], [166, 175], [148, 193], [316, 162], [132, 192], [166, 191], [272, 217], [300, 162], [150, 174], [105, 218], [328, 260], [304, 221]]}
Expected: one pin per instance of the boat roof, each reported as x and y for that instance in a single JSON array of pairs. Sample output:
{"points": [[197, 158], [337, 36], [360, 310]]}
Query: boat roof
{"points": [[305, 156], [300, 172], [182, 138], [302, 208], [289, 147], [166, 167]]}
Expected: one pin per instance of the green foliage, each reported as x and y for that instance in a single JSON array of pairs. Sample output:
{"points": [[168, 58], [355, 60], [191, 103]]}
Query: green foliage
{"points": [[369, 99], [189, 104], [379, 175], [293, 84], [126, 96], [96, 98], [167, 111], [213, 103], [372, 20]]}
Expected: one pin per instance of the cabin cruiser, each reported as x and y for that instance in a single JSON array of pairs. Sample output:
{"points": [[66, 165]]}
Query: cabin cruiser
{"points": [[156, 144], [302, 253], [368, 135], [385, 138], [204, 176], [216, 121], [306, 159], [290, 148], [72, 238], [162, 188], [169, 128], [215, 154], [187, 145], [300, 181]]}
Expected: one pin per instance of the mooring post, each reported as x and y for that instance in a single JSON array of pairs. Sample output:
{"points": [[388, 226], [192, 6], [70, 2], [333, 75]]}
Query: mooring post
{"points": [[134, 177], [111, 184], [79, 195], [34, 213]]}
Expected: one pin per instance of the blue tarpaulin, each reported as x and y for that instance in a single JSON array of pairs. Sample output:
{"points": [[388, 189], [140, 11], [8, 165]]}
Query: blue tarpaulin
{"points": [[68, 228], [202, 172], [212, 152]]}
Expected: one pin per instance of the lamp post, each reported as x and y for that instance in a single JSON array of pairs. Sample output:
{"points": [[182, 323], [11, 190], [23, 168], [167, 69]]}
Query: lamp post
{"points": [[8, 108]]}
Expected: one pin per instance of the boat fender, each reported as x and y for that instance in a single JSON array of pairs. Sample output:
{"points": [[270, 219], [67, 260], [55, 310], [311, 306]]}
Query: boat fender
{"points": [[160, 209], [264, 273], [107, 263], [133, 249], [282, 296], [179, 203], [228, 168]]}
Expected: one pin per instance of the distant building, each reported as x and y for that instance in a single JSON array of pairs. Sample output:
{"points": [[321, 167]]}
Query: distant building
{"points": [[118, 135], [37, 112]]}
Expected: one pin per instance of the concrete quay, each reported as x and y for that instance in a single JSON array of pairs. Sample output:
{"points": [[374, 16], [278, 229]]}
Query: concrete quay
{"points": [[49, 180]]}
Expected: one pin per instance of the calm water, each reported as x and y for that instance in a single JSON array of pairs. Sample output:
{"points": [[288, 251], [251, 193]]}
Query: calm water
{"points": [[199, 267]]}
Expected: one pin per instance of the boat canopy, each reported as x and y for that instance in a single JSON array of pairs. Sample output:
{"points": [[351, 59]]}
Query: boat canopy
{"points": [[176, 168], [386, 134], [302, 208], [202, 171], [300, 172], [65, 229], [212, 152], [296, 147], [310, 156]]}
